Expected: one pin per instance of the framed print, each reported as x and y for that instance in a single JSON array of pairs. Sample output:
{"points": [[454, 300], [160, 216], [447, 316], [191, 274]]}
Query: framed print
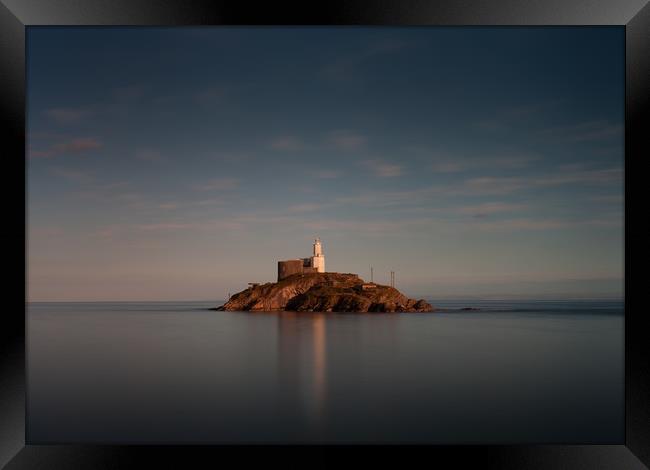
{"points": [[392, 227]]}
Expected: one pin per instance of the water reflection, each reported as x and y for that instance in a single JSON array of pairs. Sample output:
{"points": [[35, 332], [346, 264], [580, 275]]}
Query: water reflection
{"points": [[110, 374], [302, 362], [319, 372]]}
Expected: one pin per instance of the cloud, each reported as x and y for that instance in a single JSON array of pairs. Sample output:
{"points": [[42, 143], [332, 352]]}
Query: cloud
{"points": [[175, 226], [487, 185], [542, 224], [164, 226], [459, 164], [577, 176], [409, 199], [585, 131], [376, 228], [343, 67], [487, 208], [502, 185], [286, 143], [448, 166], [78, 176], [218, 184], [326, 174], [386, 170], [308, 207], [76, 145], [208, 202], [347, 140], [149, 155], [169, 205], [521, 224], [504, 119], [608, 199], [67, 115], [383, 199], [383, 169]]}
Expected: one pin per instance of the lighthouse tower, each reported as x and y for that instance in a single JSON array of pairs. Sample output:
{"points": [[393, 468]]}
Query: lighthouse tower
{"points": [[318, 259]]}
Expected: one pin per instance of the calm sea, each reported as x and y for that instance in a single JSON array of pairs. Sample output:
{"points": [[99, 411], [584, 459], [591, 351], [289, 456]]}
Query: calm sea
{"points": [[174, 372]]}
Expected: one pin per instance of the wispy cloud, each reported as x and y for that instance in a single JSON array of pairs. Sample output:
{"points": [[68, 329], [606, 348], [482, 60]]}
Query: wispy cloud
{"points": [[487, 208], [344, 67], [585, 131], [308, 207], [601, 176], [522, 224], [347, 140], [286, 143], [502, 185], [480, 187], [78, 176], [74, 146], [77, 145], [608, 199], [149, 155], [326, 174], [67, 115], [507, 118], [460, 164], [178, 226], [383, 169], [529, 224], [218, 184], [209, 202], [169, 205], [488, 185]]}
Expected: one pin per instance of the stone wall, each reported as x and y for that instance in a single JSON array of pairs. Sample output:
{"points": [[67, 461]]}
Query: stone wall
{"points": [[289, 267]]}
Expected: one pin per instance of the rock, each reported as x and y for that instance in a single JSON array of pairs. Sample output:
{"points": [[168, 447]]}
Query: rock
{"points": [[323, 292]]}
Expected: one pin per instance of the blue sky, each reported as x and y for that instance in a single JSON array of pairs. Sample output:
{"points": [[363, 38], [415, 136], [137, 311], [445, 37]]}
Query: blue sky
{"points": [[181, 163]]}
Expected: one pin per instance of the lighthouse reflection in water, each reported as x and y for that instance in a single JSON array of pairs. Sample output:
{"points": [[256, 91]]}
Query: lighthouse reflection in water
{"points": [[302, 360]]}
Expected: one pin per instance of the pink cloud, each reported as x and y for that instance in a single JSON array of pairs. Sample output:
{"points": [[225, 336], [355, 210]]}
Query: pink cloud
{"points": [[76, 145]]}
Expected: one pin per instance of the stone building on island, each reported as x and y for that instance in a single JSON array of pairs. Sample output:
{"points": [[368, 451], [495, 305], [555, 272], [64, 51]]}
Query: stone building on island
{"points": [[313, 264]]}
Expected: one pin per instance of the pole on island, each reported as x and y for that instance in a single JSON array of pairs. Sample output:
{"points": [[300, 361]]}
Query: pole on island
{"points": [[371, 280]]}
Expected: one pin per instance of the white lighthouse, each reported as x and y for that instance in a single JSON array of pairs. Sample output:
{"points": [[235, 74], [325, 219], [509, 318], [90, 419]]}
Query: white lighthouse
{"points": [[314, 264], [318, 259]]}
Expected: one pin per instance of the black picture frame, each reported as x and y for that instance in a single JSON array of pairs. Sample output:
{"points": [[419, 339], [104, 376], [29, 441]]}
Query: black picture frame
{"points": [[15, 15]]}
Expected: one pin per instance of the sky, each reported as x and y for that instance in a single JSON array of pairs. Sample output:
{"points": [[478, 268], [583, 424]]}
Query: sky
{"points": [[183, 163]]}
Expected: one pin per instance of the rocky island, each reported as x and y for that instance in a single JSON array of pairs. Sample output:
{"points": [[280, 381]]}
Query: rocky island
{"points": [[323, 292]]}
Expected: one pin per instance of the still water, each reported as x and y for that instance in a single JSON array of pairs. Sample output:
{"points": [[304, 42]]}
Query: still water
{"points": [[174, 372]]}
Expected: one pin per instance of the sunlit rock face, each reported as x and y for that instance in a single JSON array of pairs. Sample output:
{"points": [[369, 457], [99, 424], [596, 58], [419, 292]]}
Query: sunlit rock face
{"points": [[324, 292]]}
